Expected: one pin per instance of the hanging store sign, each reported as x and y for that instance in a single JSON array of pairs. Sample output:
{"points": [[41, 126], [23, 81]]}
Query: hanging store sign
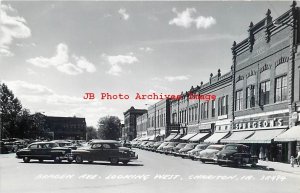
{"points": [[276, 122]]}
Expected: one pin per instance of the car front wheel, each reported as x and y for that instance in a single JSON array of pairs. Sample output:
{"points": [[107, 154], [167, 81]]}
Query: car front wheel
{"points": [[78, 159], [41, 161], [114, 161], [26, 159], [125, 162]]}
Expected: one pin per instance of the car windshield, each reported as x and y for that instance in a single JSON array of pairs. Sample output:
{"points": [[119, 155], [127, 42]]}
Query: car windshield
{"points": [[215, 147], [231, 147]]}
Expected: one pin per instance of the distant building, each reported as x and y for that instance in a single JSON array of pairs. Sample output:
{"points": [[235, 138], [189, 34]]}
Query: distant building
{"points": [[130, 116], [66, 127]]}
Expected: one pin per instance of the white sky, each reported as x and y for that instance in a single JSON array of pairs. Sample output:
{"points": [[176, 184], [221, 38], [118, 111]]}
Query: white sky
{"points": [[52, 52]]}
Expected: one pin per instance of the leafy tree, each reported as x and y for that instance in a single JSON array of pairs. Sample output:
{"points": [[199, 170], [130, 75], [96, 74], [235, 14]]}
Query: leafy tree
{"points": [[10, 109], [91, 133], [109, 127]]}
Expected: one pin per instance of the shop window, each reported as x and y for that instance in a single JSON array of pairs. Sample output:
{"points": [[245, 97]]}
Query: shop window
{"points": [[250, 96], [238, 100], [264, 93], [281, 90]]}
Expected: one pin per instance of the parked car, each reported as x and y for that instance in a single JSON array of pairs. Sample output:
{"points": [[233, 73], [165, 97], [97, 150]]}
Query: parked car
{"points": [[20, 144], [236, 155], [155, 145], [169, 148], [9, 145], [183, 151], [45, 151], [161, 146], [3, 148], [148, 146], [105, 150], [194, 153], [209, 153], [142, 144], [176, 149]]}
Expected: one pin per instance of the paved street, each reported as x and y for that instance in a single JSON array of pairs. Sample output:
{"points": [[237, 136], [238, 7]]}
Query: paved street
{"points": [[152, 172]]}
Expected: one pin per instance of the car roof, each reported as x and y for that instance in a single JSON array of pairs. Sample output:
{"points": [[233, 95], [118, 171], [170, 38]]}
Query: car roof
{"points": [[104, 141], [61, 141], [42, 142], [217, 145]]}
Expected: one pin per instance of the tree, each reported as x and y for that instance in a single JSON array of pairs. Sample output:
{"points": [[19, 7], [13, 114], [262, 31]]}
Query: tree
{"points": [[91, 133], [10, 109], [109, 127]]}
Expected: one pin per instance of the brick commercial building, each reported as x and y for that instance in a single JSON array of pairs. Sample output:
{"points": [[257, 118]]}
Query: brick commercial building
{"points": [[265, 86], [66, 127], [130, 123]]}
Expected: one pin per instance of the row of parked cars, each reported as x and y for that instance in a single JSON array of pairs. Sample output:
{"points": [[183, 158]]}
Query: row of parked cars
{"points": [[96, 150], [230, 154]]}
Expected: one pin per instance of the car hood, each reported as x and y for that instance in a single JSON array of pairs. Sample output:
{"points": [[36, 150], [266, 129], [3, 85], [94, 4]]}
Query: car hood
{"points": [[185, 149]]}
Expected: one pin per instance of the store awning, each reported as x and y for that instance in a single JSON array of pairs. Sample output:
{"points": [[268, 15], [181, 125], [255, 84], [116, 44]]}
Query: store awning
{"points": [[216, 137], [171, 136], [237, 137], [152, 137], [188, 136], [292, 134], [264, 136], [198, 137]]}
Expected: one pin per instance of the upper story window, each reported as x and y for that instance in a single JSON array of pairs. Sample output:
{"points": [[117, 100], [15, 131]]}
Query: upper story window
{"points": [[239, 100], [223, 105], [213, 108], [250, 96], [281, 90], [264, 93], [204, 110]]}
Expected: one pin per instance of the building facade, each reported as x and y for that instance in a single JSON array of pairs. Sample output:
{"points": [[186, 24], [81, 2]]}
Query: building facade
{"points": [[66, 127], [130, 122], [264, 85]]}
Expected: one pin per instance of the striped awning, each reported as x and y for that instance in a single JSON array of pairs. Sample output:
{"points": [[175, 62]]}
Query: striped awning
{"points": [[216, 137], [198, 137], [292, 134], [237, 137]]}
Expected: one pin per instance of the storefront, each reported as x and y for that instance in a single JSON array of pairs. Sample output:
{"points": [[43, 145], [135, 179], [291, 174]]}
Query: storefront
{"points": [[259, 134]]}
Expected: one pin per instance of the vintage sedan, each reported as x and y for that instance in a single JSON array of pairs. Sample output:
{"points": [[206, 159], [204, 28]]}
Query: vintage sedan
{"points": [[104, 150], [208, 155], [159, 149], [169, 148], [183, 152], [236, 155], [45, 151], [194, 153]]}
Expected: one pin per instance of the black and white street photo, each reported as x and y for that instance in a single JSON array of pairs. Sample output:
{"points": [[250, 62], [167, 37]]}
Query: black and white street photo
{"points": [[149, 96]]}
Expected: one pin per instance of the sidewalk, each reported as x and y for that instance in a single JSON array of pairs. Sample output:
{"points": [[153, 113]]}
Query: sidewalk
{"points": [[277, 166]]}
